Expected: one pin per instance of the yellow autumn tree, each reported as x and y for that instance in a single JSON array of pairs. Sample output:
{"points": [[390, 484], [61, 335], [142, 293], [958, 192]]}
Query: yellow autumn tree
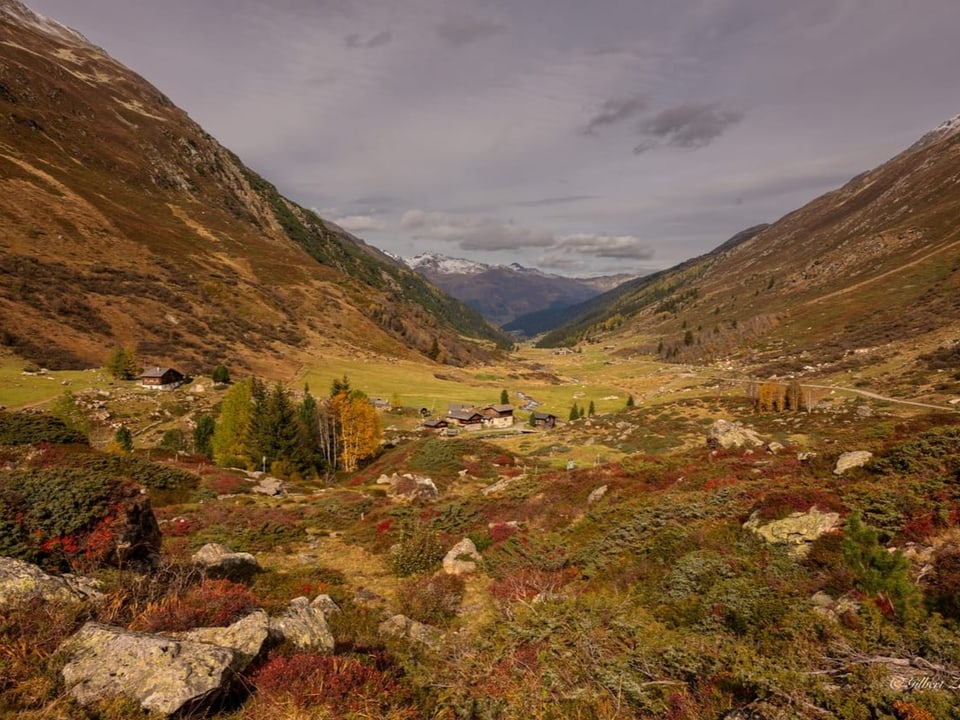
{"points": [[359, 429]]}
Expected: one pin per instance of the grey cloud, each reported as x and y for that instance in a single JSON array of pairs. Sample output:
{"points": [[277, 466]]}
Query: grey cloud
{"points": [[355, 40], [614, 111], [463, 31], [474, 233], [360, 223], [624, 247], [545, 202], [691, 125]]}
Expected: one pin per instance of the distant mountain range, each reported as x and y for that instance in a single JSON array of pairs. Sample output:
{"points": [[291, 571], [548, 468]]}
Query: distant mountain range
{"points": [[503, 293], [122, 222]]}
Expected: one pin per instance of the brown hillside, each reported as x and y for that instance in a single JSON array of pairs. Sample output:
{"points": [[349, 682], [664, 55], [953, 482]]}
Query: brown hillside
{"points": [[123, 222]]}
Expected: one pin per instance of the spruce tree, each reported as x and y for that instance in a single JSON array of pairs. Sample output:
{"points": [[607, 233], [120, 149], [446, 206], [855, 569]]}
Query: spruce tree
{"points": [[504, 397], [592, 410]]}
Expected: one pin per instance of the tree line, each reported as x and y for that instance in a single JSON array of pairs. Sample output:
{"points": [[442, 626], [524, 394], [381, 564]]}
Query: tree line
{"points": [[268, 428]]}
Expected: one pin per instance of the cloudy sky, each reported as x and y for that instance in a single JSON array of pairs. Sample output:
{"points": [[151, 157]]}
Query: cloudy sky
{"points": [[578, 137]]}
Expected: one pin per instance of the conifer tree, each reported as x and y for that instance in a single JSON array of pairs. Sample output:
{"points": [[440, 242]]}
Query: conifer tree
{"points": [[124, 439], [229, 441], [592, 410], [630, 401], [203, 436], [122, 364], [504, 397], [574, 412]]}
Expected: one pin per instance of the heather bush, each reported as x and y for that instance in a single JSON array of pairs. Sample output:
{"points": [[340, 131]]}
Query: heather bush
{"points": [[31, 428], [59, 517], [212, 603], [419, 551], [433, 600], [349, 686]]}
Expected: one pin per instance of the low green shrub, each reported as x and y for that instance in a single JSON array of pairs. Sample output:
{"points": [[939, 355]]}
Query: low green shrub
{"points": [[31, 428], [420, 551]]}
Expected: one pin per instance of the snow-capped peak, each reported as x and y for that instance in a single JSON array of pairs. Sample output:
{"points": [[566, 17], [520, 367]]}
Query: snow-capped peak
{"points": [[25, 16], [436, 262]]}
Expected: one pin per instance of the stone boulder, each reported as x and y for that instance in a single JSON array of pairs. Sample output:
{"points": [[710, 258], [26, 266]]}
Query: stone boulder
{"points": [[219, 561], [404, 628], [247, 637], [596, 495], [798, 529], [853, 459], [462, 558], [163, 675], [726, 435], [20, 581], [410, 487], [304, 626]]}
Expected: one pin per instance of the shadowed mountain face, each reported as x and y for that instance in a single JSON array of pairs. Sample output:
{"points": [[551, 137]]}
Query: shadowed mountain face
{"points": [[874, 264], [123, 222]]}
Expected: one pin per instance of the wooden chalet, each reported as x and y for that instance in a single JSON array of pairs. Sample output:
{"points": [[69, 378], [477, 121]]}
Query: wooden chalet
{"points": [[543, 420], [436, 424], [161, 378], [498, 415], [467, 419]]}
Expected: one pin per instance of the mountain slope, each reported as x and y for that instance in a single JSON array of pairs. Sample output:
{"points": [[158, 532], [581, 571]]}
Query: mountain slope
{"points": [[873, 264], [123, 222], [502, 293]]}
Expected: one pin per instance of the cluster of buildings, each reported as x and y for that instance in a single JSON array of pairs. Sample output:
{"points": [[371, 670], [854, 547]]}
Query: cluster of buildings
{"points": [[489, 417]]}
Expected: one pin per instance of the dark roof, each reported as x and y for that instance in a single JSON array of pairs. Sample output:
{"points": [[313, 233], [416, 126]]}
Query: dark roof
{"points": [[157, 372], [435, 422], [465, 415], [543, 416], [502, 408]]}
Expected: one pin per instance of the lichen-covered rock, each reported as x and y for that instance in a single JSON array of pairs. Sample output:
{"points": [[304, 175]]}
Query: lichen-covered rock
{"points": [[162, 674], [303, 626], [853, 459], [219, 561], [798, 529], [728, 435], [410, 487], [400, 626], [325, 604], [462, 558], [247, 637], [20, 581]]}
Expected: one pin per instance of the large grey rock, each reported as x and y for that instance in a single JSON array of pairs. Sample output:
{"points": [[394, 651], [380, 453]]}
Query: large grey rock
{"points": [[410, 487], [21, 581], [162, 674], [728, 435], [798, 529], [853, 459], [247, 637], [219, 561], [462, 558], [303, 626], [402, 627]]}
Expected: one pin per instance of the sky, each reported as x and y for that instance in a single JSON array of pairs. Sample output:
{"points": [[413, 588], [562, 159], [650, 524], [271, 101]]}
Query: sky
{"points": [[581, 138]]}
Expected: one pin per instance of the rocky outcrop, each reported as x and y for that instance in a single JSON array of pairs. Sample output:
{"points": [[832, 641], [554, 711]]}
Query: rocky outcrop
{"points": [[402, 627], [726, 435], [798, 529], [21, 581], [219, 561], [162, 674], [850, 460], [462, 558], [304, 626]]}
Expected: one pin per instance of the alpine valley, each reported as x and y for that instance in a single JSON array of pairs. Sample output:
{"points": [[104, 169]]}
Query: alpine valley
{"points": [[252, 467]]}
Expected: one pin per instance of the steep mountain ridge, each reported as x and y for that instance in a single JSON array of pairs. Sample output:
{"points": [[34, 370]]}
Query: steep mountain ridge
{"points": [[124, 222], [503, 293], [872, 264]]}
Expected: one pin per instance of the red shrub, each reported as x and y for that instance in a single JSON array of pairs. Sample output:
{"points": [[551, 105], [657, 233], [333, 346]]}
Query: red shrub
{"points": [[223, 484], [366, 684], [502, 531], [212, 603]]}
